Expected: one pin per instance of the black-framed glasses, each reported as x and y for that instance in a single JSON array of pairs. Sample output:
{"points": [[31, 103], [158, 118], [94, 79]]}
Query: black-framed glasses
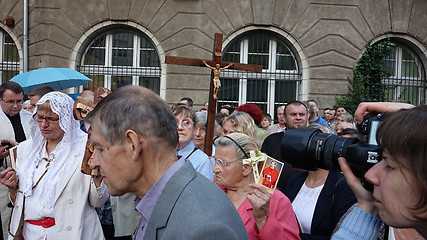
{"points": [[40, 118], [18, 102]]}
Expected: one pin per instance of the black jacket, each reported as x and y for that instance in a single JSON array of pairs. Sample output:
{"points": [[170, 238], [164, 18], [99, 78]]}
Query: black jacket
{"points": [[334, 200]]}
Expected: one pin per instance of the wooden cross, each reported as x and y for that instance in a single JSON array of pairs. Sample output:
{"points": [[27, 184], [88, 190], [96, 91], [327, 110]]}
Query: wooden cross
{"points": [[216, 65]]}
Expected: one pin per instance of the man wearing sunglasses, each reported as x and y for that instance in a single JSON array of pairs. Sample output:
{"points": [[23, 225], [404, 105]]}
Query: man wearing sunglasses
{"points": [[14, 127]]}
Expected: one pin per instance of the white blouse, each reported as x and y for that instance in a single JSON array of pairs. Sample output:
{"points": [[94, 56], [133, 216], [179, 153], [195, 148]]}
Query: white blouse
{"points": [[34, 210], [304, 205]]}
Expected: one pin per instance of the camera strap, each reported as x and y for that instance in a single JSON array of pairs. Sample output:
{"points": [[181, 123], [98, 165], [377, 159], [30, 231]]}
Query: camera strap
{"points": [[191, 153]]}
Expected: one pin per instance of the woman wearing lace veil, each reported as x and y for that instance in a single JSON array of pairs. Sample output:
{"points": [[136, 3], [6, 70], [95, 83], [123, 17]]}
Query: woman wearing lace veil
{"points": [[53, 200]]}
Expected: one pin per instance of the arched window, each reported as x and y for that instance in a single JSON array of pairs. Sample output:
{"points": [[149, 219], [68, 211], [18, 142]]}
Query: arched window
{"points": [[9, 58], [407, 80], [121, 57], [275, 86]]}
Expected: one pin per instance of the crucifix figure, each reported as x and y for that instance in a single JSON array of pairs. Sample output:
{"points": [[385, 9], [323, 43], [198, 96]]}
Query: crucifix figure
{"points": [[216, 71], [216, 66]]}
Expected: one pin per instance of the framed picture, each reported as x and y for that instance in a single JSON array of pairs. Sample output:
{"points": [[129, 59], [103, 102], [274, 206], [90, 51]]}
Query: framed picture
{"points": [[270, 173]]}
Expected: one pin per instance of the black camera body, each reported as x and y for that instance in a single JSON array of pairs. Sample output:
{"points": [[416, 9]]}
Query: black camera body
{"points": [[310, 149]]}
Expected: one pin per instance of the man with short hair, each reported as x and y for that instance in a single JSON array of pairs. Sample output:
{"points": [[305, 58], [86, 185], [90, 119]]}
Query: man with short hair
{"points": [[296, 115], [135, 137], [187, 102], [327, 112], [226, 109], [343, 125], [38, 93], [340, 109], [316, 118], [332, 113], [14, 128], [280, 126]]}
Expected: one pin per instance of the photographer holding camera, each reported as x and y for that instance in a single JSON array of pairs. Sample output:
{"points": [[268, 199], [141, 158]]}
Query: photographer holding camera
{"points": [[399, 195]]}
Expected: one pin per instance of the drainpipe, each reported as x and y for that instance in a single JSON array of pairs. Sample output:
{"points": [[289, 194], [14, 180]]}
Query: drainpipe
{"points": [[25, 36]]}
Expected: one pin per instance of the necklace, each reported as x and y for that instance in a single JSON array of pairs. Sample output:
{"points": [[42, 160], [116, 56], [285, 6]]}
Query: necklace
{"points": [[407, 233], [312, 183], [45, 171]]}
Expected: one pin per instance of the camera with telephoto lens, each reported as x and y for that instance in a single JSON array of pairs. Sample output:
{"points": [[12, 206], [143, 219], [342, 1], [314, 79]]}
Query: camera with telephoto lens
{"points": [[311, 149]]}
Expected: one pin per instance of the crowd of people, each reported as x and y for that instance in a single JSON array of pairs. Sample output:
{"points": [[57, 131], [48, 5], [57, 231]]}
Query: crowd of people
{"points": [[152, 179]]}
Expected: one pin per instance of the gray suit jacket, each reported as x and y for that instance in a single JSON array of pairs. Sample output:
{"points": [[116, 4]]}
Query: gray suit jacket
{"points": [[192, 207]]}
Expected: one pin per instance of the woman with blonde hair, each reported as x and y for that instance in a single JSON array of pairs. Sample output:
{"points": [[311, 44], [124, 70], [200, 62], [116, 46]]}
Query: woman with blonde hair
{"points": [[241, 122]]}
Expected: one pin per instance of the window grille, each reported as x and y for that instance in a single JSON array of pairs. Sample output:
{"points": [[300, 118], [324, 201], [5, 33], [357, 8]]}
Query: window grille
{"points": [[9, 58], [121, 57], [407, 79], [275, 86]]}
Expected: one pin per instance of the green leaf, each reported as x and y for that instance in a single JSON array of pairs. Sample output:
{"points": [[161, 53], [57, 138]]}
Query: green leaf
{"points": [[366, 83]]}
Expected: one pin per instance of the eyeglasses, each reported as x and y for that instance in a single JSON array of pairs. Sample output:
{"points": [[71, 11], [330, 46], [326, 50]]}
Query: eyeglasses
{"points": [[186, 124], [91, 148], [40, 119], [223, 163], [28, 108], [19, 102]]}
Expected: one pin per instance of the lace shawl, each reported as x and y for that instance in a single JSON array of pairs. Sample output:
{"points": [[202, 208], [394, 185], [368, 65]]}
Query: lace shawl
{"points": [[62, 105]]}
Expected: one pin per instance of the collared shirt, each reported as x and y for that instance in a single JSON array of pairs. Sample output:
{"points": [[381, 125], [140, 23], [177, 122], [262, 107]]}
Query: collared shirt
{"points": [[15, 120], [16, 123], [320, 120], [279, 129], [199, 160], [145, 206]]}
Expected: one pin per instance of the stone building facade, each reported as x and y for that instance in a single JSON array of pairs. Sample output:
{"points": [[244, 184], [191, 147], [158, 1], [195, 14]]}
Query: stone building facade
{"points": [[325, 38]]}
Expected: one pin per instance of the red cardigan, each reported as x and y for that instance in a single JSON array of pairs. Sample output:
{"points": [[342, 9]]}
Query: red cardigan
{"points": [[281, 222]]}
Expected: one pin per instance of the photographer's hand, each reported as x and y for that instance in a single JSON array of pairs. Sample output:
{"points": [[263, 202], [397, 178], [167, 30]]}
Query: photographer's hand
{"points": [[364, 198], [378, 107]]}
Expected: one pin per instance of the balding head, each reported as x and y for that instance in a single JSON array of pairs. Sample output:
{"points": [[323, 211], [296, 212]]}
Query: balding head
{"points": [[138, 109]]}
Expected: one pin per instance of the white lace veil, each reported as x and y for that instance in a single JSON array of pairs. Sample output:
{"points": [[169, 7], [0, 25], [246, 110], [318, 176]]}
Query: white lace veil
{"points": [[62, 105]]}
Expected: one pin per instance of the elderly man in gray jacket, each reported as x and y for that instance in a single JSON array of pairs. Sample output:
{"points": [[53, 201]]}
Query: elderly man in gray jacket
{"points": [[135, 137]]}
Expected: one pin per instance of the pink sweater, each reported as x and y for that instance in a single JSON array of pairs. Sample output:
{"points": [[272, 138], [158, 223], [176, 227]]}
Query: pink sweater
{"points": [[281, 222]]}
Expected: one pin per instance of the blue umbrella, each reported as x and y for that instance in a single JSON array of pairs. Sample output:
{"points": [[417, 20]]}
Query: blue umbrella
{"points": [[57, 78]]}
